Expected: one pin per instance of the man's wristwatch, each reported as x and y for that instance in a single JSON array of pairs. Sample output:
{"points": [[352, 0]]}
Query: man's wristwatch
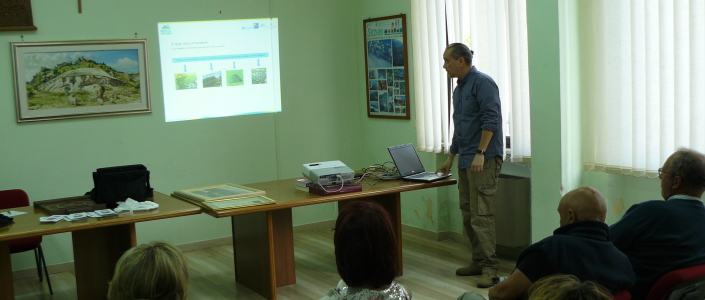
{"points": [[478, 151]]}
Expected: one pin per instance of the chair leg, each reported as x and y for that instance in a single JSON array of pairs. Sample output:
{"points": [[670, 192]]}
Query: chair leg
{"points": [[44, 263], [39, 264]]}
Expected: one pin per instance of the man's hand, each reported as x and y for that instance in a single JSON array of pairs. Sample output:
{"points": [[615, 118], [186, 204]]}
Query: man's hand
{"points": [[478, 164], [514, 287], [446, 166]]}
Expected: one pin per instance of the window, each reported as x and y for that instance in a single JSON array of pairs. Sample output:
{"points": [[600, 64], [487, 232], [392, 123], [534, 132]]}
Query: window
{"points": [[643, 83], [496, 31]]}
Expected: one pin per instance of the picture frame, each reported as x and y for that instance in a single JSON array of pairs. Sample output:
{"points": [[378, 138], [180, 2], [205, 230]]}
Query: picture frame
{"points": [[77, 79], [218, 192], [386, 65], [16, 15]]}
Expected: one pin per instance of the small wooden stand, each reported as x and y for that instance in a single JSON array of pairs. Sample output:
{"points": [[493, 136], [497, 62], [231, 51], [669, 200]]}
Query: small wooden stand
{"points": [[67, 206]]}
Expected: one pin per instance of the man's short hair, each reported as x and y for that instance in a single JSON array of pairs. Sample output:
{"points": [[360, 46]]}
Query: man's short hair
{"points": [[458, 50], [365, 245], [690, 166]]}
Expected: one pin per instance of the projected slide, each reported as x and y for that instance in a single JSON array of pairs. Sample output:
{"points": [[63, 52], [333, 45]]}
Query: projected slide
{"points": [[214, 69]]}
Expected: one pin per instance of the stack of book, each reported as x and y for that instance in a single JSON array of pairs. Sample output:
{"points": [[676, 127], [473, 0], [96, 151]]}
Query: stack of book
{"points": [[303, 184], [335, 189], [223, 196]]}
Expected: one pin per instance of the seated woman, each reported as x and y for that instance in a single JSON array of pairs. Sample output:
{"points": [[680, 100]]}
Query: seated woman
{"points": [[154, 271], [567, 287], [365, 253]]}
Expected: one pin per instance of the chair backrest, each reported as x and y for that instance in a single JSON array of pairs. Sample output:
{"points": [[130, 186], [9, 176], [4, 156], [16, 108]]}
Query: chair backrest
{"points": [[674, 279], [13, 198], [622, 295]]}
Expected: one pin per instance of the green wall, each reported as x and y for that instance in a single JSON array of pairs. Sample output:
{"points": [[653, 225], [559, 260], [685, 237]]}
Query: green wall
{"points": [[55, 159], [425, 209], [323, 118]]}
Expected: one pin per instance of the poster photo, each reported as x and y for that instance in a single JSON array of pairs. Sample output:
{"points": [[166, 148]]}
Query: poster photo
{"points": [[387, 67]]}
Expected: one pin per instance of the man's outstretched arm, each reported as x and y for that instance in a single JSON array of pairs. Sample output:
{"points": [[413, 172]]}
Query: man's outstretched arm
{"points": [[511, 288]]}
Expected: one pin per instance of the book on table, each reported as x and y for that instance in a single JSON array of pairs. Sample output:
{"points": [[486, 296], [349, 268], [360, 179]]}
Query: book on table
{"points": [[224, 196]]}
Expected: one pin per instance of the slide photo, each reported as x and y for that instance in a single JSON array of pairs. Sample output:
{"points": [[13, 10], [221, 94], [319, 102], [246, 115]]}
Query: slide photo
{"points": [[214, 79], [259, 76], [185, 81], [234, 77]]}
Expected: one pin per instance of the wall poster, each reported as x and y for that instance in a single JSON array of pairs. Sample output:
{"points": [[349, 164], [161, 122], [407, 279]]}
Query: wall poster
{"points": [[387, 67]]}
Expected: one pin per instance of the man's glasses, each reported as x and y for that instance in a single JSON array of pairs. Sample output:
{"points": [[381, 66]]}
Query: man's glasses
{"points": [[661, 172]]}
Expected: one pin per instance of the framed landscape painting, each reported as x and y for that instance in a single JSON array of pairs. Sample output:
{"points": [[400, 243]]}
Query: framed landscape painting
{"points": [[76, 79]]}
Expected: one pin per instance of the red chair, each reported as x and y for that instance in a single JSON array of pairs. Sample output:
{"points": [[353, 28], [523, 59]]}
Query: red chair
{"points": [[18, 198], [622, 295], [684, 282]]}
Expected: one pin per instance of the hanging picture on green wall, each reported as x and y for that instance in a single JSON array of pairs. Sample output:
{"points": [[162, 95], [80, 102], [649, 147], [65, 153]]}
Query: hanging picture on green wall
{"points": [[74, 79], [16, 15], [387, 67]]}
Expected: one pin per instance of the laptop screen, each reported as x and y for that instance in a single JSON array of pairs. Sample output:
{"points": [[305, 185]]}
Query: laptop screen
{"points": [[406, 159]]}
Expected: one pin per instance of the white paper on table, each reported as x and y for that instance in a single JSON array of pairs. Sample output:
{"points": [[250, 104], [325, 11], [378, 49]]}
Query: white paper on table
{"points": [[132, 205], [12, 213]]}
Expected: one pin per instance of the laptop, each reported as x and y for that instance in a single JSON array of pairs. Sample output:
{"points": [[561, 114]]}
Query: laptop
{"points": [[409, 165]]}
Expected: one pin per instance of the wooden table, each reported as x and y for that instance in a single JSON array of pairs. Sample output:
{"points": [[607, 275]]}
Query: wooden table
{"points": [[263, 241], [97, 243]]}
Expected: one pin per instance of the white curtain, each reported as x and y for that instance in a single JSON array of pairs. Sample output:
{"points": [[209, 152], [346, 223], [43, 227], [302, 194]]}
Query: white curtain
{"points": [[430, 83], [496, 31], [644, 85]]}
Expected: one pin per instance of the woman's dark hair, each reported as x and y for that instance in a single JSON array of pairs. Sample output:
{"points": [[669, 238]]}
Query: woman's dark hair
{"points": [[365, 245]]}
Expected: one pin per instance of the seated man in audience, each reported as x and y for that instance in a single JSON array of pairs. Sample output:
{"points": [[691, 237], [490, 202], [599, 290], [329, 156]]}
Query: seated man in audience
{"points": [[662, 236], [580, 247]]}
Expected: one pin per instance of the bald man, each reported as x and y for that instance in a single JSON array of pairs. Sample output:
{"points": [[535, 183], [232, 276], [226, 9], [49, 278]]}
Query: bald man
{"points": [[580, 247]]}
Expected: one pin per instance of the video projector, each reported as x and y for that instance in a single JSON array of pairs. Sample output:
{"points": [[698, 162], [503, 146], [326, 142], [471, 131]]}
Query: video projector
{"points": [[328, 172]]}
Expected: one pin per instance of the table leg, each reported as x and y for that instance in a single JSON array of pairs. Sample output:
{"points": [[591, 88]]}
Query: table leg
{"points": [[392, 204], [283, 230], [95, 253], [253, 248], [7, 289]]}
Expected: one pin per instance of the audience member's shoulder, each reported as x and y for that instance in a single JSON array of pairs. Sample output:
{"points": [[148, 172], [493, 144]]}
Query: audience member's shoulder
{"points": [[650, 204]]}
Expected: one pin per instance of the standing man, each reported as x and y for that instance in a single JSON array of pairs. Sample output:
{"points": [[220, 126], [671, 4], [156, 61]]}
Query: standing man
{"points": [[662, 236], [477, 117]]}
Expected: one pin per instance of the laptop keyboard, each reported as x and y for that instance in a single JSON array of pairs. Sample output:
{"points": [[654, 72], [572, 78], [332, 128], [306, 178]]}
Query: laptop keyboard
{"points": [[423, 175]]}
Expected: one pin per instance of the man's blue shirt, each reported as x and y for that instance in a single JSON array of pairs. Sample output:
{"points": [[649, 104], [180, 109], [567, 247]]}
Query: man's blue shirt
{"points": [[476, 107]]}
